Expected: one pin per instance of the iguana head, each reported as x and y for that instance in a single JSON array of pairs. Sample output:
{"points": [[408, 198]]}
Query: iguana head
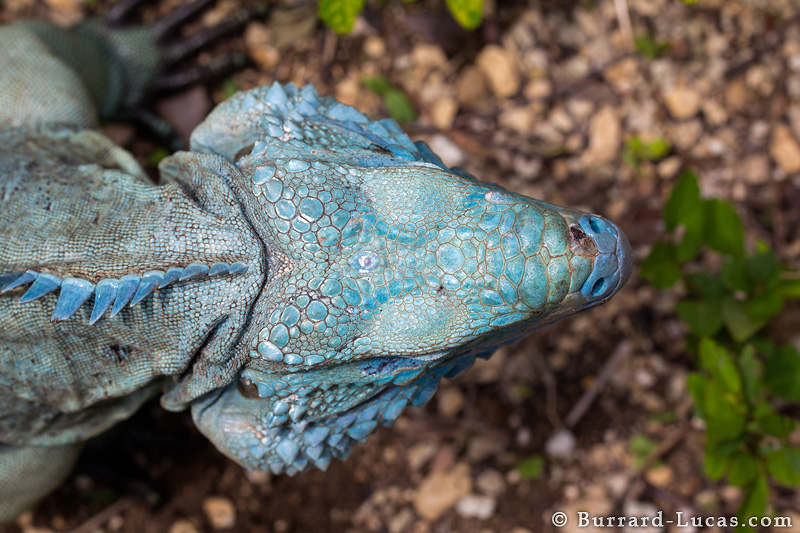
{"points": [[386, 272]]}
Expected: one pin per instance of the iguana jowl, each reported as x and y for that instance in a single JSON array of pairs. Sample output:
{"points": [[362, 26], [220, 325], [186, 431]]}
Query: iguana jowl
{"points": [[301, 274]]}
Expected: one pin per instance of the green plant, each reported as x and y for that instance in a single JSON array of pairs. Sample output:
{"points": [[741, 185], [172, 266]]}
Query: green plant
{"points": [[742, 375], [397, 103], [340, 15], [531, 467], [649, 47], [638, 151]]}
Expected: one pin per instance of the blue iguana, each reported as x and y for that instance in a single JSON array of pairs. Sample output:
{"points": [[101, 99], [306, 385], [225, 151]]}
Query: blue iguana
{"points": [[299, 276]]}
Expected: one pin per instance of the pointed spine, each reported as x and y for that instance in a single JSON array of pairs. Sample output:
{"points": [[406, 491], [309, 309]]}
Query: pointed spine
{"points": [[104, 295], [74, 292], [43, 284]]}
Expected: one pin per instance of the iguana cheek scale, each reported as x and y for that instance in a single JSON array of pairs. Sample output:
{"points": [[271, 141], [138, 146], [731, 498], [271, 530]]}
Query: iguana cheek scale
{"points": [[301, 275]]}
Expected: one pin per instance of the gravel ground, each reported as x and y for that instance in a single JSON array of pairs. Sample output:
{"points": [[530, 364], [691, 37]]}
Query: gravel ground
{"points": [[544, 99]]}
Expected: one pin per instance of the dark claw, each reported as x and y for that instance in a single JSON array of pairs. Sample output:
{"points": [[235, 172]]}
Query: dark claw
{"points": [[217, 67], [120, 11], [178, 51], [166, 26], [161, 128]]}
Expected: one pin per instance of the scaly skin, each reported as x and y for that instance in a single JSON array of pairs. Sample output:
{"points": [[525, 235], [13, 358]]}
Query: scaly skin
{"points": [[325, 272]]}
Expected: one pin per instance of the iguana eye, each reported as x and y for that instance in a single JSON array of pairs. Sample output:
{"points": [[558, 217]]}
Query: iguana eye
{"points": [[247, 388]]}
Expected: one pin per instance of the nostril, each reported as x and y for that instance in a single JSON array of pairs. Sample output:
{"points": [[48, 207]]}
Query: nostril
{"points": [[599, 287], [596, 224]]}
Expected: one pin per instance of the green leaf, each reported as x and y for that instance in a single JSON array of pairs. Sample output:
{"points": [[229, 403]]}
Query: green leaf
{"points": [[689, 247], [684, 206], [468, 13], [776, 425], [762, 267], [741, 325], [765, 305], [789, 288], [724, 420], [703, 317], [400, 107], [718, 456], [782, 373], [722, 227], [157, 155], [783, 465], [377, 84], [708, 284], [340, 15], [660, 267], [751, 372], [755, 499], [397, 103], [649, 48], [532, 467], [229, 88], [715, 359], [735, 277], [743, 469], [641, 447]]}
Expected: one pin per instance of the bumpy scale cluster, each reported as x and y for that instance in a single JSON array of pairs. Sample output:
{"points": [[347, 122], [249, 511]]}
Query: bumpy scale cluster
{"points": [[386, 272]]}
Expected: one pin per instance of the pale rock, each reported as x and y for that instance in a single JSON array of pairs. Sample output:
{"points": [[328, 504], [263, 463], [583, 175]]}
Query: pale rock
{"points": [[669, 167], [500, 70], [400, 522], [573, 69], [526, 167], [420, 454], [518, 118], [258, 41], [792, 517], [684, 135], [714, 112], [759, 78], [439, 491], [784, 150], [443, 112], [259, 477], [737, 96], [448, 151], [476, 506], [560, 444], [450, 401], [617, 483], [560, 120], [624, 75], [349, 91], [755, 169], [488, 370], [482, 447], [732, 494], [682, 101], [374, 47], [428, 56], [574, 143], [538, 89], [594, 505], [640, 511], [580, 108], [660, 476], [471, 89], [605, 133], [183, 525], [220, 512], [793, 114], [491, 482], [707, 500]]}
